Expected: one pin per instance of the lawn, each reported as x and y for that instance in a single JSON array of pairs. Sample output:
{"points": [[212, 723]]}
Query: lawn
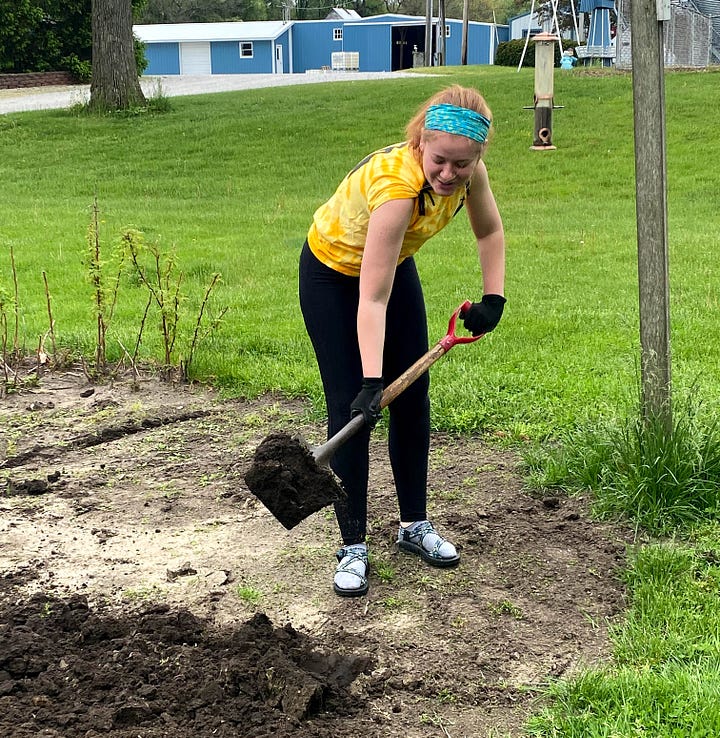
{"points": [[227, 184]]}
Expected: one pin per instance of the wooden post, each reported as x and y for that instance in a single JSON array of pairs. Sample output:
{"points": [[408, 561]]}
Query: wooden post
{"points": [[651, 205], [543, 99]]}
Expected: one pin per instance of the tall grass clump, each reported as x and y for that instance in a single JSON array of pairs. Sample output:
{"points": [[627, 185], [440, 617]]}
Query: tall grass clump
{"points": [[661, 478]]}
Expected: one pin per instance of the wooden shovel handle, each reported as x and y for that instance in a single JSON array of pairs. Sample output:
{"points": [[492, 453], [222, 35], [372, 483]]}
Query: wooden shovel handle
{"points": [[411, 374], [324, 453]]}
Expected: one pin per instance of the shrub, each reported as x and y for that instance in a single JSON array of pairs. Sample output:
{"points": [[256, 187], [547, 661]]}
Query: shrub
{"points": [[80, 69]]}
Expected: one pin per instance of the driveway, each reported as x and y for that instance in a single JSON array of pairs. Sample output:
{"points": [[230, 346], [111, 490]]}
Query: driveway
{"points": [[46, 98]]}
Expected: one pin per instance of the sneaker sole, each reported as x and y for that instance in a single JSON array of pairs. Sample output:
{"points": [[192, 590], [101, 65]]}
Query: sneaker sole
{"points": [[413, 548], [351, 592]]}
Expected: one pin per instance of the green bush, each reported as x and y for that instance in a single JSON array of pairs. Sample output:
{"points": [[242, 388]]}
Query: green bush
{"points": [[80, 69], [509, 53], [140, 57]]}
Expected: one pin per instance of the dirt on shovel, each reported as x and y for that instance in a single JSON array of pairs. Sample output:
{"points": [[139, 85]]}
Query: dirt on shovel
{"points": [[287, 479]]}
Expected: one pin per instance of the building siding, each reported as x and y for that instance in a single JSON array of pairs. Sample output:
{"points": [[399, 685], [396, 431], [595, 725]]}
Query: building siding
{"points": [[226, 58], [313, 44], [163, 58], [373, 43]]}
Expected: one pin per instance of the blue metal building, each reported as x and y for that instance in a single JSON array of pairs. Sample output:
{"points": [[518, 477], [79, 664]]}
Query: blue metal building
{"points": [[262, 47], [383, 43]]}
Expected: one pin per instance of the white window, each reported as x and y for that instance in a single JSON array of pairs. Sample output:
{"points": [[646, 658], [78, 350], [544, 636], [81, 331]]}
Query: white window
{"points": [[246, 49], [337, 34], [447, 31]]}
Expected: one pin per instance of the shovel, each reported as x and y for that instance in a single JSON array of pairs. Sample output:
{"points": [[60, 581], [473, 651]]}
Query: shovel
{"points": [[293, 480]]}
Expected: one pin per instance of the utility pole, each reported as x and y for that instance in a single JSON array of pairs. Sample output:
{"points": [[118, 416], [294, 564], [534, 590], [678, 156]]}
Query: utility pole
{"points": [[648, 73], [441, 33], [428, 32], [465, 23]]}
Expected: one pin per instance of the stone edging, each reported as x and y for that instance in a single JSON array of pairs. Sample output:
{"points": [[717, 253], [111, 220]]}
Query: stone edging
{"points": [[35, 79]]}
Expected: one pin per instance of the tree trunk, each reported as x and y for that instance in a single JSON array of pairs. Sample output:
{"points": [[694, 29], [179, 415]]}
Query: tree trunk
{"points": [[115, 84]]}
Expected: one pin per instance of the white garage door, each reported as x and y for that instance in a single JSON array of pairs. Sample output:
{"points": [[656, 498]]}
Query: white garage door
{"points": [[195, 58]]}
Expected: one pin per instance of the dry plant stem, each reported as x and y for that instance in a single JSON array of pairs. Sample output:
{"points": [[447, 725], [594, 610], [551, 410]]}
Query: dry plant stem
{"points": [[136, 373], [158, 292], [96, 280], [142, 329], [39, 357], [116, 286], [160, 298], [50, 316], [16, 308], [176, 311], [196, 338], [4, 337]]}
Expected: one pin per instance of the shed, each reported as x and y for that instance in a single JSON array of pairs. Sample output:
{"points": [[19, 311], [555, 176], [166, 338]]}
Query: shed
{"points": [[523, 24], [262, 47], [383, 43]]}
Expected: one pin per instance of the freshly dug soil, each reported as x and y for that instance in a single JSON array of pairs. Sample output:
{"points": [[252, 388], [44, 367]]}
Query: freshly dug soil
{"points": [[145, 591]]}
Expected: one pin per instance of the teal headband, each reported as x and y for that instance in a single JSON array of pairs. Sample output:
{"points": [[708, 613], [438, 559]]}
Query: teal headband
{"points": [[457, 120]]}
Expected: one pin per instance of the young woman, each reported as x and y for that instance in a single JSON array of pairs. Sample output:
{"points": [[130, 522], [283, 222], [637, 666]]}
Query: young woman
{"points": [[364, 311]]}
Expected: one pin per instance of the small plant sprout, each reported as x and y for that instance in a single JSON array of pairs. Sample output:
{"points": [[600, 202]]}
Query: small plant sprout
{"points": [[249, 595], [505, 607]]}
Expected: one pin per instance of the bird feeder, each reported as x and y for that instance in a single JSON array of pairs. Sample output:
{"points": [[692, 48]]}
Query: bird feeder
{"points": [[543, 98]]}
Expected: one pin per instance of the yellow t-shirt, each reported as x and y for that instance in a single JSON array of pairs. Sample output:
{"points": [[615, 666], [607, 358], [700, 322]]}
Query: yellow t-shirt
{"points": [[339, 228]]}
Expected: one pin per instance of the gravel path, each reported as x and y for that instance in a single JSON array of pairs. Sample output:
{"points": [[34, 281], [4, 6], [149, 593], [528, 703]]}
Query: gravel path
{"points": [[46, 98]]}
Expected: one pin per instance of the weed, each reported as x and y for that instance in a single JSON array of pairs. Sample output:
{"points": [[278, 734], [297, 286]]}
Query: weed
{"points": [[142, 594], [661, 478], [505, 607], [382, 569], [446, 696], [249, 595], [163, 282], [394, 604]]}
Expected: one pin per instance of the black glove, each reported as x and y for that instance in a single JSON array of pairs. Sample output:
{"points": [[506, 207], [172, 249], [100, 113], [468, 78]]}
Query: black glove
{"points": [[481, 317], [368, 401]]}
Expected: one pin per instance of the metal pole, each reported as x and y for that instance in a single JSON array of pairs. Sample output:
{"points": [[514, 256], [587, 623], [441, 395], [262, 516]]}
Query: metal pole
{"points": [[441, 33], [648, 76], [428, 32], [465, 17]]}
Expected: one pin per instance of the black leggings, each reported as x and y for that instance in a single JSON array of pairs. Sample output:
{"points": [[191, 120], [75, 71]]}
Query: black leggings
{"points": [[329, 303]]}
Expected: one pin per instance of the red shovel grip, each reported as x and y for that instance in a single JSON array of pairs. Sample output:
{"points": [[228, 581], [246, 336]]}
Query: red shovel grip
{"points": [[450, 338]]}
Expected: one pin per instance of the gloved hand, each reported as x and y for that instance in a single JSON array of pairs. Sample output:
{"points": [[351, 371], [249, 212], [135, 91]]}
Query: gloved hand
{"points": [[368, 401], [481, 317]]}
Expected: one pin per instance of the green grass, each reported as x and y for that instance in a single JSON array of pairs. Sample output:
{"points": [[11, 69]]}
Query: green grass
{"points": [[229, 182], [665, 677], [664, 479]]}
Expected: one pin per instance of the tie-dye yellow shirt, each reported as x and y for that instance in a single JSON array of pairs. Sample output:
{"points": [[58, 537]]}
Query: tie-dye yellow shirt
{"points": [[339, 229]]}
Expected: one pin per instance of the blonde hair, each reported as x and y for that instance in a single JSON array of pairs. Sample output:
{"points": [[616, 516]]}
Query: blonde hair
{"points": [[462, 97]]}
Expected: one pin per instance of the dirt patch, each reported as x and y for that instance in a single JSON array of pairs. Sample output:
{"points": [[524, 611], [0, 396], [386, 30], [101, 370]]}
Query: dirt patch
{"points": [[144, 591]]}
